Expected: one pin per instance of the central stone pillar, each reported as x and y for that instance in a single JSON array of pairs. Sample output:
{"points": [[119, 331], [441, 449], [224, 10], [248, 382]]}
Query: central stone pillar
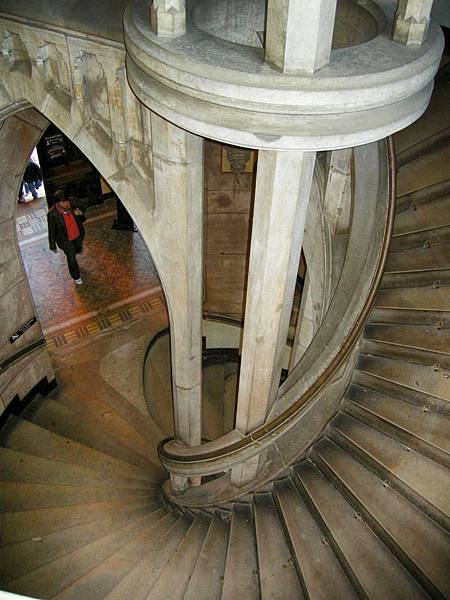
{"points": [[283, 186], [178, 180]]}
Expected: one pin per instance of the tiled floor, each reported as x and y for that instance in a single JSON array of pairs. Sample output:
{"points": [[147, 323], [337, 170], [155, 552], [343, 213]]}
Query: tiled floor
{"points": [[120, 279]]}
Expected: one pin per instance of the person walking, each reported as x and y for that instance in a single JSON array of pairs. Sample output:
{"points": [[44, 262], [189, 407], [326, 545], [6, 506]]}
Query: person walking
{"points": [[32, 179], [66, 231]]}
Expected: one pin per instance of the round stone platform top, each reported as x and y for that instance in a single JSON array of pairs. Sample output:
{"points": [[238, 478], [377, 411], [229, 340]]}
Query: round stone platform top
{"points": [[214, 81], [244, 21]]}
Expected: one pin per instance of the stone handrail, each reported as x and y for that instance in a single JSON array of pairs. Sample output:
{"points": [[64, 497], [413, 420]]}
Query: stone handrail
{"points": [[311, 394], [21, 354]]}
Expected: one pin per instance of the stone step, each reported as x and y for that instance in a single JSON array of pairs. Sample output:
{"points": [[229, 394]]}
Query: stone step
{"points": [[427, 240], [379, 384], [374, 572], [241, 568], [207, 578], [421, 337], [439, 361], [277, 575], [137, 583], [421, 298], [439, 320], [418, 478], [51, 578], [104, 577], [34, 440], [412, 375], [436, 142], [174, 578], [424, 217], [19, 496], [319, 570], [23, 557], [140, 422], [100, 414], [55, 417], [416, 426], [418, 542], [429, 168], [28, 524], [428, 278], [422, 196]]}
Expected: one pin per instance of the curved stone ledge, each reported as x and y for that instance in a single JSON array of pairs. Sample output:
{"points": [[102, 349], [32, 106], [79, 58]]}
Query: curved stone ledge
{"points": [[226, 91]]}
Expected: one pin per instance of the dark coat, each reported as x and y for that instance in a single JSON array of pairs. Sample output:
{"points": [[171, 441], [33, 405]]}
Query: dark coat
{"points": [[32, 173], [57, 231]]}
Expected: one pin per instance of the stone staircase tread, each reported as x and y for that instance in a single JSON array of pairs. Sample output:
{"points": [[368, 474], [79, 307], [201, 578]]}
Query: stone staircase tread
{"points": [[417, 279], [417, 477], [207, 578], [434, 258], [25, 436], [241, 568], [425, 217], [418, 542], [425, 171], [437, 141], [52, 415], [318, 568], [375, 572], [421, 298], [277, 576], [421, 378], [28, 524], [419, 337], [419, 241], [438, 361], [103, 416], [105, 576], [422, 196], [51, 578], [402, 316], [167, 536], [140, 422], [17, 466], [18, 496], [400, 391], [174, 578], [412, 423], [22, 558]]}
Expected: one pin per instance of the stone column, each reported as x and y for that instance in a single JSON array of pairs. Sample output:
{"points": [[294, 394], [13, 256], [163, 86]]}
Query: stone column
{"points": [[178, 180], [168, 17], [299, 34], [283, 187], [411, 21]]}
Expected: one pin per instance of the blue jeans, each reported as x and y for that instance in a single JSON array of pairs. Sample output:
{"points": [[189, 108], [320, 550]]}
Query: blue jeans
{"points": [[31, 187]]}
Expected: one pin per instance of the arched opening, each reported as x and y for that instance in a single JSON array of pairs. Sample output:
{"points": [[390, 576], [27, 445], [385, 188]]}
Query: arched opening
{"points": [[45, 317]]}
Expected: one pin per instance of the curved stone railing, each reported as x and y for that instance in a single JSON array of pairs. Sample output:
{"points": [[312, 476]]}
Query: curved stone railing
{"points": [[311, 394]]}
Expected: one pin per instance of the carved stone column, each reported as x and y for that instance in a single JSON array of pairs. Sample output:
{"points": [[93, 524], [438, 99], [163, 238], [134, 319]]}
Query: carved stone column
{"points": [[168, 17], [178, 174], [283, 187], [299, 34], [411, 21]]}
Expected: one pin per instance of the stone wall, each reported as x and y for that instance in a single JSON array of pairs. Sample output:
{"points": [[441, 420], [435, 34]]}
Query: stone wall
{"points": [[18, 136]]}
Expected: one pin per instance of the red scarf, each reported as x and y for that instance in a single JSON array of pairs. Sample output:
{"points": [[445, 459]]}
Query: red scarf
{"points": [[71, 224]]}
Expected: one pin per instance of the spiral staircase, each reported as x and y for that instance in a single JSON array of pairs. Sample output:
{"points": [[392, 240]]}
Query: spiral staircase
{"points": [[362, 514]]}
